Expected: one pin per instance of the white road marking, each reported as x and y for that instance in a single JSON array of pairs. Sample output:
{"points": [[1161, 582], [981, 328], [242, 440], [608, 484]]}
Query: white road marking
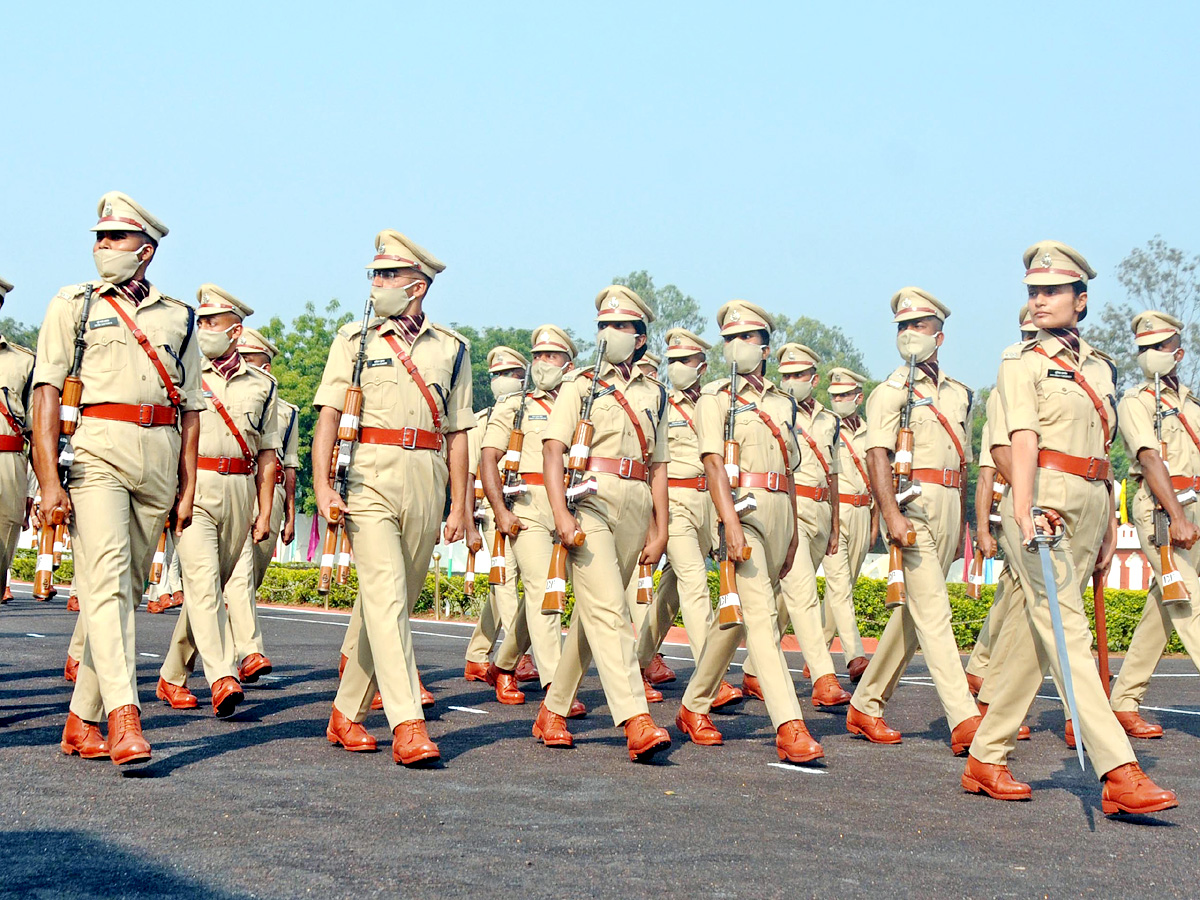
{"points": [[33, 634], [791, 768], [150, 655], [469, 709]]}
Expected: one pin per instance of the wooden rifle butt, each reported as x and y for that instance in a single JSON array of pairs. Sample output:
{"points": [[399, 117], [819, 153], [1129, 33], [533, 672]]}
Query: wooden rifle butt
{"points": [[554, 601], [902, 462], [60, 541], [975, 577], [343, 558], [498, 574], [160, 558], [350, 421], [645, 584], [733, 467], [512, 458], [43, 579], [581, 446], [897, 592], [469, 575], [729, 604], [68, 405], [1173, 588], [328, 551]]}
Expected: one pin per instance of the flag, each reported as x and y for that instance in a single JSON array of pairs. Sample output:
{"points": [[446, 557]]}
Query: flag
{"points": [[968, 552], [1121, 503], [314, 538]]}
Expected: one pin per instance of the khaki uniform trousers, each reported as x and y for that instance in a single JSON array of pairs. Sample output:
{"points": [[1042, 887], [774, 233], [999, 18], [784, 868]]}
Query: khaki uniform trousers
{"points": [[392, 536], [799, 602], [1004, 601], [208, 551], [500, 610], [841, 574], [615, 521], [683, 584], [1158, 619], [14, 486], [768, 532], [120, 504], [241, 590], [1017, 671], [924, 621]]}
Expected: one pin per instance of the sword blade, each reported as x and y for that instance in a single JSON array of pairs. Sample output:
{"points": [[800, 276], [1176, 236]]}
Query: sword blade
{"points": [[1060, 646]]}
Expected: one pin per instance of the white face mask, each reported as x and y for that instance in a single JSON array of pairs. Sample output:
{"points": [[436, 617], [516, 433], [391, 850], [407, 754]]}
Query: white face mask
{"points": [[116, 266], [1156, 362], [800, 390], [214, 344], [546, 376], [842, 407], [391, 301], [682, 375], [743, 356], [620, 346], [506, 384], [911, 342]]}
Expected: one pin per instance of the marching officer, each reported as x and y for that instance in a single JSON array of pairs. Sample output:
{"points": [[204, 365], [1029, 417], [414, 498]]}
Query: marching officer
{"points": [[858, 520], [170, 589], [1160, 349], [941, 430], [416, 396], [625, 521], [16, 374], [764, 429], [135, 457], [242, 588], [238, 440], [1057, 405], [817, 511]]}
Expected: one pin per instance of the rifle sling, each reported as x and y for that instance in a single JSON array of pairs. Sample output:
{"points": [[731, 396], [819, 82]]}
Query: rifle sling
{"points": [[173, 393], [229, 423], [415, 375]]}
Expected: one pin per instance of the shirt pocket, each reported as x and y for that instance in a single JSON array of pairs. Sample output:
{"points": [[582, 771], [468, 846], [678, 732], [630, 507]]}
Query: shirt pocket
{"points": [[106, 348], [381, 394], [167, 341]]}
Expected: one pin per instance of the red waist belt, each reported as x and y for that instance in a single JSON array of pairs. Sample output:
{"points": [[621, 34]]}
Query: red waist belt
{"points": [[950, 478], [855, 499], [1178, 482], [534, 478], [696, 484], [144, 414], [771, 481], [624, 467], [1089, 467], [224, 465], [812, 492], [11, 443], [408, 438], [279, 473]]}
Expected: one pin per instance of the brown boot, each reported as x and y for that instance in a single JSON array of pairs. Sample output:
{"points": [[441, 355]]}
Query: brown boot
{"points": [[698, 728], [426, 697], [794, 744], [411, 745], [644, 738], [8, 595], [995, 781], [71, 669], [1069, 734], [72, 603], [1127, 789], [507, 691], [83, 738], [1023, 733], [176, 600], [226, 695], [653, 694], [377, 701], [253, 667], [974, 684], [342, 664], [658, 672], [527, 670], [750, 687], [856, 667], [176, 696], [474, 671], [162, 604], [577, 710], [805, 673], [350, 735], [551, 729], [827, 692], [963, 734], [727, 696], [1137, 727], [873, 728], [125, 741]]}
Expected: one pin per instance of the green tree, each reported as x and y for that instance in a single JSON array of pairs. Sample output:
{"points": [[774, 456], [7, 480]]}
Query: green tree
{"points": [[672, 308], [19, 333], [482, 343]]}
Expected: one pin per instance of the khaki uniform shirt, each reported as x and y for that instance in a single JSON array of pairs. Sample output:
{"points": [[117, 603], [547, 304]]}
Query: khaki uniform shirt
{"points": [[287, 423], [932, 445], [16, 381], [822, 427], [249, 398], [1136, 414], [682, 438], [850, 479], [995, 431], [759, 449], [531, 504]]}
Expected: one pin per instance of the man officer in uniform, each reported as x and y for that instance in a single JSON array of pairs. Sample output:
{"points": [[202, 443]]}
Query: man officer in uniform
{"points": [[16, 371], [135, 457]]}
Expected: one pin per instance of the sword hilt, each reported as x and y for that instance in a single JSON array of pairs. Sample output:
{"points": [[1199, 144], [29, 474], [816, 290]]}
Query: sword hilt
{"points": [[1043, 538]]}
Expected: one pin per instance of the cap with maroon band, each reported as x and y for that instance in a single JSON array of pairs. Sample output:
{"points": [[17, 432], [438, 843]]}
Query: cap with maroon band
{"points": [[649, 364], [502, 359], [845, 381], [682, 343], [252, 341], [1053, 262], [119, 212], [214, 300], [1152, 327], [5, 287], [617, 303], [913, 303], [742, 317], [552, 339], [793, 357], [395, 251]]}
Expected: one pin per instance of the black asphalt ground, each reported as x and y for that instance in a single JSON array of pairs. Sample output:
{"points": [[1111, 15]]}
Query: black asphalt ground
{"points": [[262, 806]]}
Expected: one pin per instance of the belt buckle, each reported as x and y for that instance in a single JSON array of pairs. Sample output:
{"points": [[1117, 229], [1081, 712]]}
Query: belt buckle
{"points": [[145, 414], [408, 438], [702, 483], [626, 467], [773, 481], [948, 476], [223, 463], [1093, 469]]}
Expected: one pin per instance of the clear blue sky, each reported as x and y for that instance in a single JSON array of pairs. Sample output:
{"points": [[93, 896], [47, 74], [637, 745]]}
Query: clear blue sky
{"points": [[810, 160]]}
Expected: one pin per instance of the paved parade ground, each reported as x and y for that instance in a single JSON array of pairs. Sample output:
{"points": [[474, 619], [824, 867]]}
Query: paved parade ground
{"points": [[262, 806]]}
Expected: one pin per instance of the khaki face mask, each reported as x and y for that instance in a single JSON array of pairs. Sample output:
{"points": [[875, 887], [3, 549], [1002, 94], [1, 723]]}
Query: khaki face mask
{"points": [[1156, 362], [743, 356], [915, 343], [800, 390], [389, 301], [214, 344], [117, 266], [546, 376], [620, 346], [682, 375], [842, 407], [505, 384]]}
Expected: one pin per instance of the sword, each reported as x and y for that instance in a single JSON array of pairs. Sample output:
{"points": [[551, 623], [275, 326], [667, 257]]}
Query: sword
{"points": [[1041, 543]]}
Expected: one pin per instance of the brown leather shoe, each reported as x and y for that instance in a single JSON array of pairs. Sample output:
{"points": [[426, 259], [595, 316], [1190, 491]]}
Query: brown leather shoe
{"points": [[253, 667], [83, 738], [350, 735], [8, 595], [226, 695], [527, 670], [176, 696], [1023, 733], [71, 669], [551, 729], [653, 694], [411, 745], [160, 605], [377, 701], [644, 738], [751, 688], [426, 697], [176, 600], [827, 692], [962, 735], [1137, 727], [577, 710], [72, 603], [794, 744], [727, 696], [698, 728], [507, 691], [974, 684], [475, 671], [1127, 789], [125, 741], [1069, 734], [856, 667], [658, 672], [805, 673], [995, 781], [342, 664], [873, 728]]}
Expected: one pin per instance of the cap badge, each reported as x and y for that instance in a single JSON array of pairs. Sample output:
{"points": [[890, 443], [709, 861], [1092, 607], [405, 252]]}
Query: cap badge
{"points": [[613, 302], [107, 208], [544, 337], [734, 316], [1047, 259], [906, 303], [791, 355]]}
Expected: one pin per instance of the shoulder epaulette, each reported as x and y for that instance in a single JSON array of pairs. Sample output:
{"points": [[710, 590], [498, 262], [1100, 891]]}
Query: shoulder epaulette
{"points": [[264, 373], [715, 387], [171, 299], [22, 348], [1014, 351], [353, 328], [452, 333], [576, 373], [71, 291]]}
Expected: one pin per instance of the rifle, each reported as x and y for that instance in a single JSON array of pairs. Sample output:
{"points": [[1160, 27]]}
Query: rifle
{"points": [[160, 557], [906, 490], [645, 584], [339, 465], [1171, 581], [68, 419], [729, 603], [579, 486], [513, 487]]}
